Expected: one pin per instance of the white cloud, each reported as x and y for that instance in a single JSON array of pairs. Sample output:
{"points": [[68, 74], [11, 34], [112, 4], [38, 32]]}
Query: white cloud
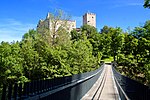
{"points": [[127, 4], [13, 30], [135, 4], [8, 38]]}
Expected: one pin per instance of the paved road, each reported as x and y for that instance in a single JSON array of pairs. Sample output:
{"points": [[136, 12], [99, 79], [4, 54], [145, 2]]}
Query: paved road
{"points": [[105, 87]]}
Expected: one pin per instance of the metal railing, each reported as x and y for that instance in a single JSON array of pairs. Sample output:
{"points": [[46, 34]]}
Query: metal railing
{"points": [[68, 88], [121, 92], [130, 89]]}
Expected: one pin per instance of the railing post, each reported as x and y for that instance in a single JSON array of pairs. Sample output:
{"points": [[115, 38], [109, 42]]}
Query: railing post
{"points": [[50, 84], [31, 89], [34, 87], [26, 89], [20, 90], [46, 82], [4, 92], [15, 91], [38, 86], [41, 86], [9, 91]]}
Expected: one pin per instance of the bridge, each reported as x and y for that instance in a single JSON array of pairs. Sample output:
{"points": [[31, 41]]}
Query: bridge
{"points": [[105, 83], [105, 87]]}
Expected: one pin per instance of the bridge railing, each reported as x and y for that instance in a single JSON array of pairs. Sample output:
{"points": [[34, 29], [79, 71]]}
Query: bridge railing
{"points": [[68, 88], [131, 89], [121, 92]]}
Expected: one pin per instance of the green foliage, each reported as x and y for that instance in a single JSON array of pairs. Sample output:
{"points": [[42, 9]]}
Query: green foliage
{"points": [[135, 54], [108, 60], [11, 62], [147, 3], [75, 35], [112, 41], [89, 31], [32, 34], [59, 53], [36, 58], [130, 50], [81, 56]]}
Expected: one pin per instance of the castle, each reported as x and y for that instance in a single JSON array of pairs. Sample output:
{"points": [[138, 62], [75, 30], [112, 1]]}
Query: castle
{"points": [[88, 18]]}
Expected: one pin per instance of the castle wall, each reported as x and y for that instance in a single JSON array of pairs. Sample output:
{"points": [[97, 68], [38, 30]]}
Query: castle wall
{"points": [[49, 24]]}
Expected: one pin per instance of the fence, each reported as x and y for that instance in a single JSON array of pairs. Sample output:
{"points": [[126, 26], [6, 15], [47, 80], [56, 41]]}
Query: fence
{"points": [[68, 88], [131, 88]]}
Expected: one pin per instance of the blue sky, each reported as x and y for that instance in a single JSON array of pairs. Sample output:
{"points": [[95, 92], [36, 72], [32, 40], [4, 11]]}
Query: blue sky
{"points": [[18, 16]]}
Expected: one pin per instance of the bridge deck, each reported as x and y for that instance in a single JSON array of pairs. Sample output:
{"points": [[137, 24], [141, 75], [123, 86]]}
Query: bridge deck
{"points": [[105, 87]]}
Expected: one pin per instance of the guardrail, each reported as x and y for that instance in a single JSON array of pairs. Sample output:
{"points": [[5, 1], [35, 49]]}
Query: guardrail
{"points": [[121, 92], [130, 89], [69, 88]]}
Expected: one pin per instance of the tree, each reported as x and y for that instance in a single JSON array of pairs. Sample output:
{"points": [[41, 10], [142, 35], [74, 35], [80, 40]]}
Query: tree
{"points": [[117, 41], [147, 30], [147, 3], [93, 36], [81, 58], [105, 29], [113, 39], [105, 41], [75, 36], [135, 54], [55, 25], [31, 33], [11, 63], [89, 31], [139, 32]]}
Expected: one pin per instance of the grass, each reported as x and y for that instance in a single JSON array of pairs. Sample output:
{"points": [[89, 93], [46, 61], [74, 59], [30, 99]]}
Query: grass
{"points": [[108, 60]]}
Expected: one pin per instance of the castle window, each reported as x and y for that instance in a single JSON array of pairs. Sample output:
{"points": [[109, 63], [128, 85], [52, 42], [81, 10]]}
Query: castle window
{"points": [[88, 21], [92, 17]]}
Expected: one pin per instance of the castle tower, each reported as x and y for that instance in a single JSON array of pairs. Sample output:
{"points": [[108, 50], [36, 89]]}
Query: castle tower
{"points": [[89, 19]]}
